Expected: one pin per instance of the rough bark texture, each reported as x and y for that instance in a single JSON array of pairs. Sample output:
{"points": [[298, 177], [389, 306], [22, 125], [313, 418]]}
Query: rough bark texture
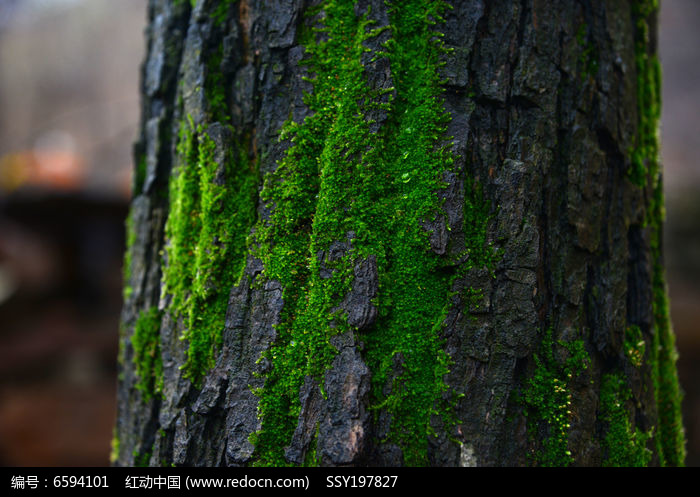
{"points": [[517, 318]]}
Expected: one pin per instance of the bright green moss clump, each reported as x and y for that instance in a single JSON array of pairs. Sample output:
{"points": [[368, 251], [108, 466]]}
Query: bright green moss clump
{"points": [[371, 192], [622, 445], [147, 357], [548, 399], [115, 447], [212, 207]]}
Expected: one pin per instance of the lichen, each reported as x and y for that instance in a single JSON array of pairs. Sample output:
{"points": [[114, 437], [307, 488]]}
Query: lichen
{"points": [[547, 398], [623, 445]]}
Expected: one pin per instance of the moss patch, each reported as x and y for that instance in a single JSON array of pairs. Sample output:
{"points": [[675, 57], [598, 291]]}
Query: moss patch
{"points": [[623, 445], [588, 58], [645, 154], [147, 356], [313, 195], [634, 345], [547, 399], [142, 459], [670, 435], [115, 447], [371, 192], [128, 256], [646, 172], [212, 207]]}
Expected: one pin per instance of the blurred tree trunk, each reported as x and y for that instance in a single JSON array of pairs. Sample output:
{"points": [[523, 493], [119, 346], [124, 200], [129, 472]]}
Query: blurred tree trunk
{"points": [[398, 233]]}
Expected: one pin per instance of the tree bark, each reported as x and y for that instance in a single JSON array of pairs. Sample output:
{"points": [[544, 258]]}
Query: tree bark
{"points": [[398, 233]]}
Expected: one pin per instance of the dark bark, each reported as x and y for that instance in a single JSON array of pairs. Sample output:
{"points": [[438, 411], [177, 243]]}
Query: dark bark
{"points": [[542, 262]]}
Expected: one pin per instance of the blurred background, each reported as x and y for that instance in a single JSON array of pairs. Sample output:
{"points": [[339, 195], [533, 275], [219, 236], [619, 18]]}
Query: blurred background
{"points": [[69, 110]]}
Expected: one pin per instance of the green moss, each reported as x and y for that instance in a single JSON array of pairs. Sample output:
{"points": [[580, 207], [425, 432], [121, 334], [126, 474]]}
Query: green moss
{"points": [[212, 207], [139, 174], [306, 190], [182, 2], [142, 459], [311, 458], [115, 445], [128, 256], [670, 435], [634, 345], [414, 286], [646, 172], [221, 11], [214, 87], [147, 355], [340, 181], [623, 445], [645, 153], [588, 59], [547, 399]]}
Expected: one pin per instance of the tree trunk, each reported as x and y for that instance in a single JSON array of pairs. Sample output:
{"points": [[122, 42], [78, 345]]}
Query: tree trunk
{"points": [[398, 233]]}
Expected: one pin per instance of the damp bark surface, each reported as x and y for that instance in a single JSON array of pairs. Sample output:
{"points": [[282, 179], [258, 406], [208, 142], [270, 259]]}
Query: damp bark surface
{"points": [[376, 233]]}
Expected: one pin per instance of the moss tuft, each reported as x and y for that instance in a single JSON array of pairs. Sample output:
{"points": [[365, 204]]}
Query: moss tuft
{"points": [[142, 459], [645, 154], [214, 87], [670, 435], [212, 207], [547, 399], [623, 446], [222, 11], [588, 59], [634, 345], [115, 447], [128, 256], [147, 356]]}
